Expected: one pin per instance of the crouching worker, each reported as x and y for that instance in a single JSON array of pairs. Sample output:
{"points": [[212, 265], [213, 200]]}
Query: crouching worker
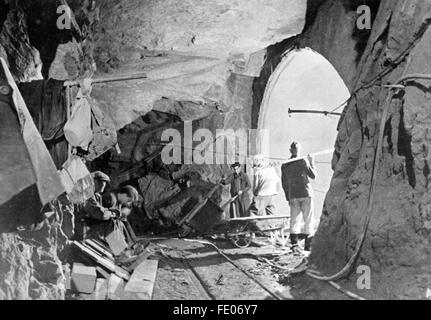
{"points": [[91, 218]]}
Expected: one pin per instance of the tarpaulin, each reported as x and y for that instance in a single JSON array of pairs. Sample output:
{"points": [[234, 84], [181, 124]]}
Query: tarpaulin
{"points": [[26, 163], [46, 101]]}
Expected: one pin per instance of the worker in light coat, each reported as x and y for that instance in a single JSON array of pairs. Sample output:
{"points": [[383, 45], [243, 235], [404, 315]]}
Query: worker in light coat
{"points": [[265, 187]]}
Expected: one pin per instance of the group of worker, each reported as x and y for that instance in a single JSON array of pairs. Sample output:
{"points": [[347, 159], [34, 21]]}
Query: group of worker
{"points": [[95, 216], [295, 179]]}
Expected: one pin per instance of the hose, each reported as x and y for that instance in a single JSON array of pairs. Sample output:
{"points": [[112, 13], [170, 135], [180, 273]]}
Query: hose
{"points": [[314, 274]]}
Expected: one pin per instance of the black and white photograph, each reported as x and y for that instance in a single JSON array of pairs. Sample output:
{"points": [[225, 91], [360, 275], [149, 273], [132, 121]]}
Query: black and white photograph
{"points": [[215, 155]]}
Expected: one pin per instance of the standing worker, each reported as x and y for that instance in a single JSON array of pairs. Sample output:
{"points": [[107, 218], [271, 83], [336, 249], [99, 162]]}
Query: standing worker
{"points": [[239, 187], [265, 187], [295, 177]]}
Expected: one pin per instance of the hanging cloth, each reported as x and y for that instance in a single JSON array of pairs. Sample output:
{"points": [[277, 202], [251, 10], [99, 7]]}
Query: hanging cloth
{"points": [[104, 132], [78, 129]]}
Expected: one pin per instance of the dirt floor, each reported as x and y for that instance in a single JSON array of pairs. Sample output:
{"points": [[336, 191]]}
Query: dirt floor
{"points": [[192, 270], [195, 271]]}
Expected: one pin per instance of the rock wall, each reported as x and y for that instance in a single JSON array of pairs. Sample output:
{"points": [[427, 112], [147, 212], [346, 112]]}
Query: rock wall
{"points": [[31, 259], [24, 60], [397, 243]]}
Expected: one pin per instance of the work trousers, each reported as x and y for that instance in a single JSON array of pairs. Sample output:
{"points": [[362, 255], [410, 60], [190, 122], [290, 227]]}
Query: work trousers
{"points": [[298, 206], [263, 205]]}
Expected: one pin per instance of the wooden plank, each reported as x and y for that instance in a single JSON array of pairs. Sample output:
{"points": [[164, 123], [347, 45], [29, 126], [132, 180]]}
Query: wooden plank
{"points": [[103, 262], [99, 249], [101, 292], [115, 288], [260, 218], [103, 245], [122, 273], [67, 275], [141, 283], [103, 272], [94, 251], [142, 257], [196, 281]]}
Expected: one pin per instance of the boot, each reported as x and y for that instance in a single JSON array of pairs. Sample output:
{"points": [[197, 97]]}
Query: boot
{"points": [[302, 236], [296, 250], [294, 240], [308, 242]]}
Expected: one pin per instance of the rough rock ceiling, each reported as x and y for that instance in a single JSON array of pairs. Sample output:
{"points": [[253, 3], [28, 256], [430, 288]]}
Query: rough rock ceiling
{"points": [[211, 28], [188, 48]]}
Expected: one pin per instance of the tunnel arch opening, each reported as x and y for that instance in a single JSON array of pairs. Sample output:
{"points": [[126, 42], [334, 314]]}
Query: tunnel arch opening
{"points": [[303, 84]]}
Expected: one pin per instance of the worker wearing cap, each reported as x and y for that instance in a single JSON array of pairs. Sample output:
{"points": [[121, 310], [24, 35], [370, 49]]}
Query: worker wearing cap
{"points": [[239, 187], [295, 179], [89, 219], [93, 206]]}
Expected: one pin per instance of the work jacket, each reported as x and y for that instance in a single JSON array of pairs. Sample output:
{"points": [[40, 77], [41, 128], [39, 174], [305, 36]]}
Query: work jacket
{"points": [[239, 182], [266, 181], [93, 209], [295, 179]]}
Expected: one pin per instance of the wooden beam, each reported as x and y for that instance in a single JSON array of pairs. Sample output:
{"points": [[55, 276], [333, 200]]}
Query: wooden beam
{"points": [[103, 261], [101, 292], [99, 249], [103, 272], [142, 257], [260, 218], [115, 288], [141, 283]]}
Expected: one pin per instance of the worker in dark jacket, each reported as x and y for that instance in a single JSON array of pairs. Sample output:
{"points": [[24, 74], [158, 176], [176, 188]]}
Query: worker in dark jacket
{"points": [[295, 177], [239, 187], [93, 206], [90, 217]]}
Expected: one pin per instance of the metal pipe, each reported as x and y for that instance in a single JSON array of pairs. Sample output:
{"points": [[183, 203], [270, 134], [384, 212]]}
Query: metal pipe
{"points": [[326, 113], [124, 77]]}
